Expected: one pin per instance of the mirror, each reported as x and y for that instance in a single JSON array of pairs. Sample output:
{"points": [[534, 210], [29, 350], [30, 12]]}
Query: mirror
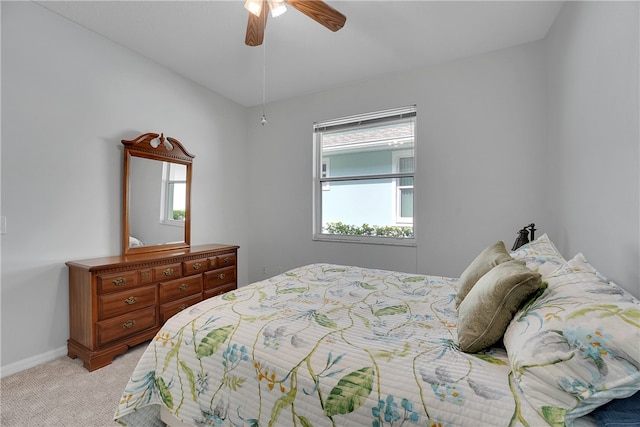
{"points": [[156, 195]]}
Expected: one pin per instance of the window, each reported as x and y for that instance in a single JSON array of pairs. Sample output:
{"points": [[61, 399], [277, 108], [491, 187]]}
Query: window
{"points": [[174, 187], [367, 193]]}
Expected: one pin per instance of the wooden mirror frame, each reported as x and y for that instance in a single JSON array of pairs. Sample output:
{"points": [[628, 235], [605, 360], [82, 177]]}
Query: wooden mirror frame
{"points": [[142, 147]]}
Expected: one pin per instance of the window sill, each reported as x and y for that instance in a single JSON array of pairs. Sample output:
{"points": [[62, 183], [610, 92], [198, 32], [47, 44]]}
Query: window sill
{"points": [[174, 223], [367, 240]]}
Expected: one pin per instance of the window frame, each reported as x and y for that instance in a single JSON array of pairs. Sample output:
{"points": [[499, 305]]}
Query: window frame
{"points": [[320, 182]]}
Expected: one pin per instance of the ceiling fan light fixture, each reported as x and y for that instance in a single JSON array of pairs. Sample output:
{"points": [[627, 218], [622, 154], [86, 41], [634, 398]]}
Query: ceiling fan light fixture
{"points": [[254, 6], [317, 10], [277, 7]]}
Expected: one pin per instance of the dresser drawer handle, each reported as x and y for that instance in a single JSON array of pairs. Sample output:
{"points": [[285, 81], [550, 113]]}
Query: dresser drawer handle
{"points": [[168, 272], [221, 276], [183, 287], [129, 324], [197, 266], [131, 300], [183, 307], [119, 281], [226, 260]]}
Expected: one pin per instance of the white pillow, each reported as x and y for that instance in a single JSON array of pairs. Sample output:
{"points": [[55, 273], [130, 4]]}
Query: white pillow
{"points": [[540, 255], [577, 346]]}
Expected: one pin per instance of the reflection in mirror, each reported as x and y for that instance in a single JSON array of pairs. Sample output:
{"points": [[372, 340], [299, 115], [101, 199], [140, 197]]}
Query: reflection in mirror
{"points": [[156, 194], [157, 202]]}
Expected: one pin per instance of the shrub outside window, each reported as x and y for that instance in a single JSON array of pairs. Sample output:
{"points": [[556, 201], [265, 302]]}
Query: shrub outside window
{"points": [[367, 194]]}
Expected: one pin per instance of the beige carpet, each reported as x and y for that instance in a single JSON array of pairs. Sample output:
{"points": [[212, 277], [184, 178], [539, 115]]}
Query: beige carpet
{"points": [[62, 393]]}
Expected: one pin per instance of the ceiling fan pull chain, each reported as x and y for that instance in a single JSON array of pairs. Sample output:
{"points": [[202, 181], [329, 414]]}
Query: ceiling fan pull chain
{"points": [[263, 119]]}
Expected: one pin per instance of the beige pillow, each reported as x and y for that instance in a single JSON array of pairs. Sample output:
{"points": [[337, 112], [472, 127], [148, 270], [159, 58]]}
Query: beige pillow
{"points": [[483, 316], [485, 261]]}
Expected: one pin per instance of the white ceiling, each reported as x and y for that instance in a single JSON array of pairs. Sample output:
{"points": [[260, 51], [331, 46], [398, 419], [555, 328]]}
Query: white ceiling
{"points": [[204, 40]]}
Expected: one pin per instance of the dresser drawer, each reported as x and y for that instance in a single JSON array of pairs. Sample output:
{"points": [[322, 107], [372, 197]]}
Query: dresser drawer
{"points": [[126, 325], [173, 308], [212, 292], [117, 282], [224, 260], [196, 266], [216, 278], [167, 272], [115, 304], [180, 288]]}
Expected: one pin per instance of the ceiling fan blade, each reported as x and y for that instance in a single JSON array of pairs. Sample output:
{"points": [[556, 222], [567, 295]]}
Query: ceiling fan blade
{"points": [[320, 12], [256, 26]]}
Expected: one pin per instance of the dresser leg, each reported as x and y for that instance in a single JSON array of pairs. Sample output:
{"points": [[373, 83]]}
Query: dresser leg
{"points": [[93, 360]]}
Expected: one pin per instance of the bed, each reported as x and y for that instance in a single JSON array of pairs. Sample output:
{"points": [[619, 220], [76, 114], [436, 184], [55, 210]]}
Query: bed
{"points": [[526, 339]]}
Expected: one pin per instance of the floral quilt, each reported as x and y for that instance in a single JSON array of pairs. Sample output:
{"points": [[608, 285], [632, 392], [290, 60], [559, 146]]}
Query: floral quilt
{"points": [[324, 345]]}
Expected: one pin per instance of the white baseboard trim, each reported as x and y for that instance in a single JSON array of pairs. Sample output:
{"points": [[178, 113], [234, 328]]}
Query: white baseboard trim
{"points": [[21, 365]]}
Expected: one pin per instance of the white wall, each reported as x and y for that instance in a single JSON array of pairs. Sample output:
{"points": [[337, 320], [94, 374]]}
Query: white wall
{"points": [[593, 136], [68, 97], [481, 157]]}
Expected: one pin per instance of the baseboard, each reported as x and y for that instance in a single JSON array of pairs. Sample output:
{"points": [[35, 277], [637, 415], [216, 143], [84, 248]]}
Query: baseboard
{"points": [[21, 365]]}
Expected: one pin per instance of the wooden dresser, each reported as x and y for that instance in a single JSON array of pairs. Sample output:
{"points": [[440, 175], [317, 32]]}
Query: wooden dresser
{"points": [[121, 301]]}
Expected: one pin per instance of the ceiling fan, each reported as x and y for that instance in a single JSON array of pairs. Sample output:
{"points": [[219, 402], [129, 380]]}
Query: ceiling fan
{"points": [[317, 10]]}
